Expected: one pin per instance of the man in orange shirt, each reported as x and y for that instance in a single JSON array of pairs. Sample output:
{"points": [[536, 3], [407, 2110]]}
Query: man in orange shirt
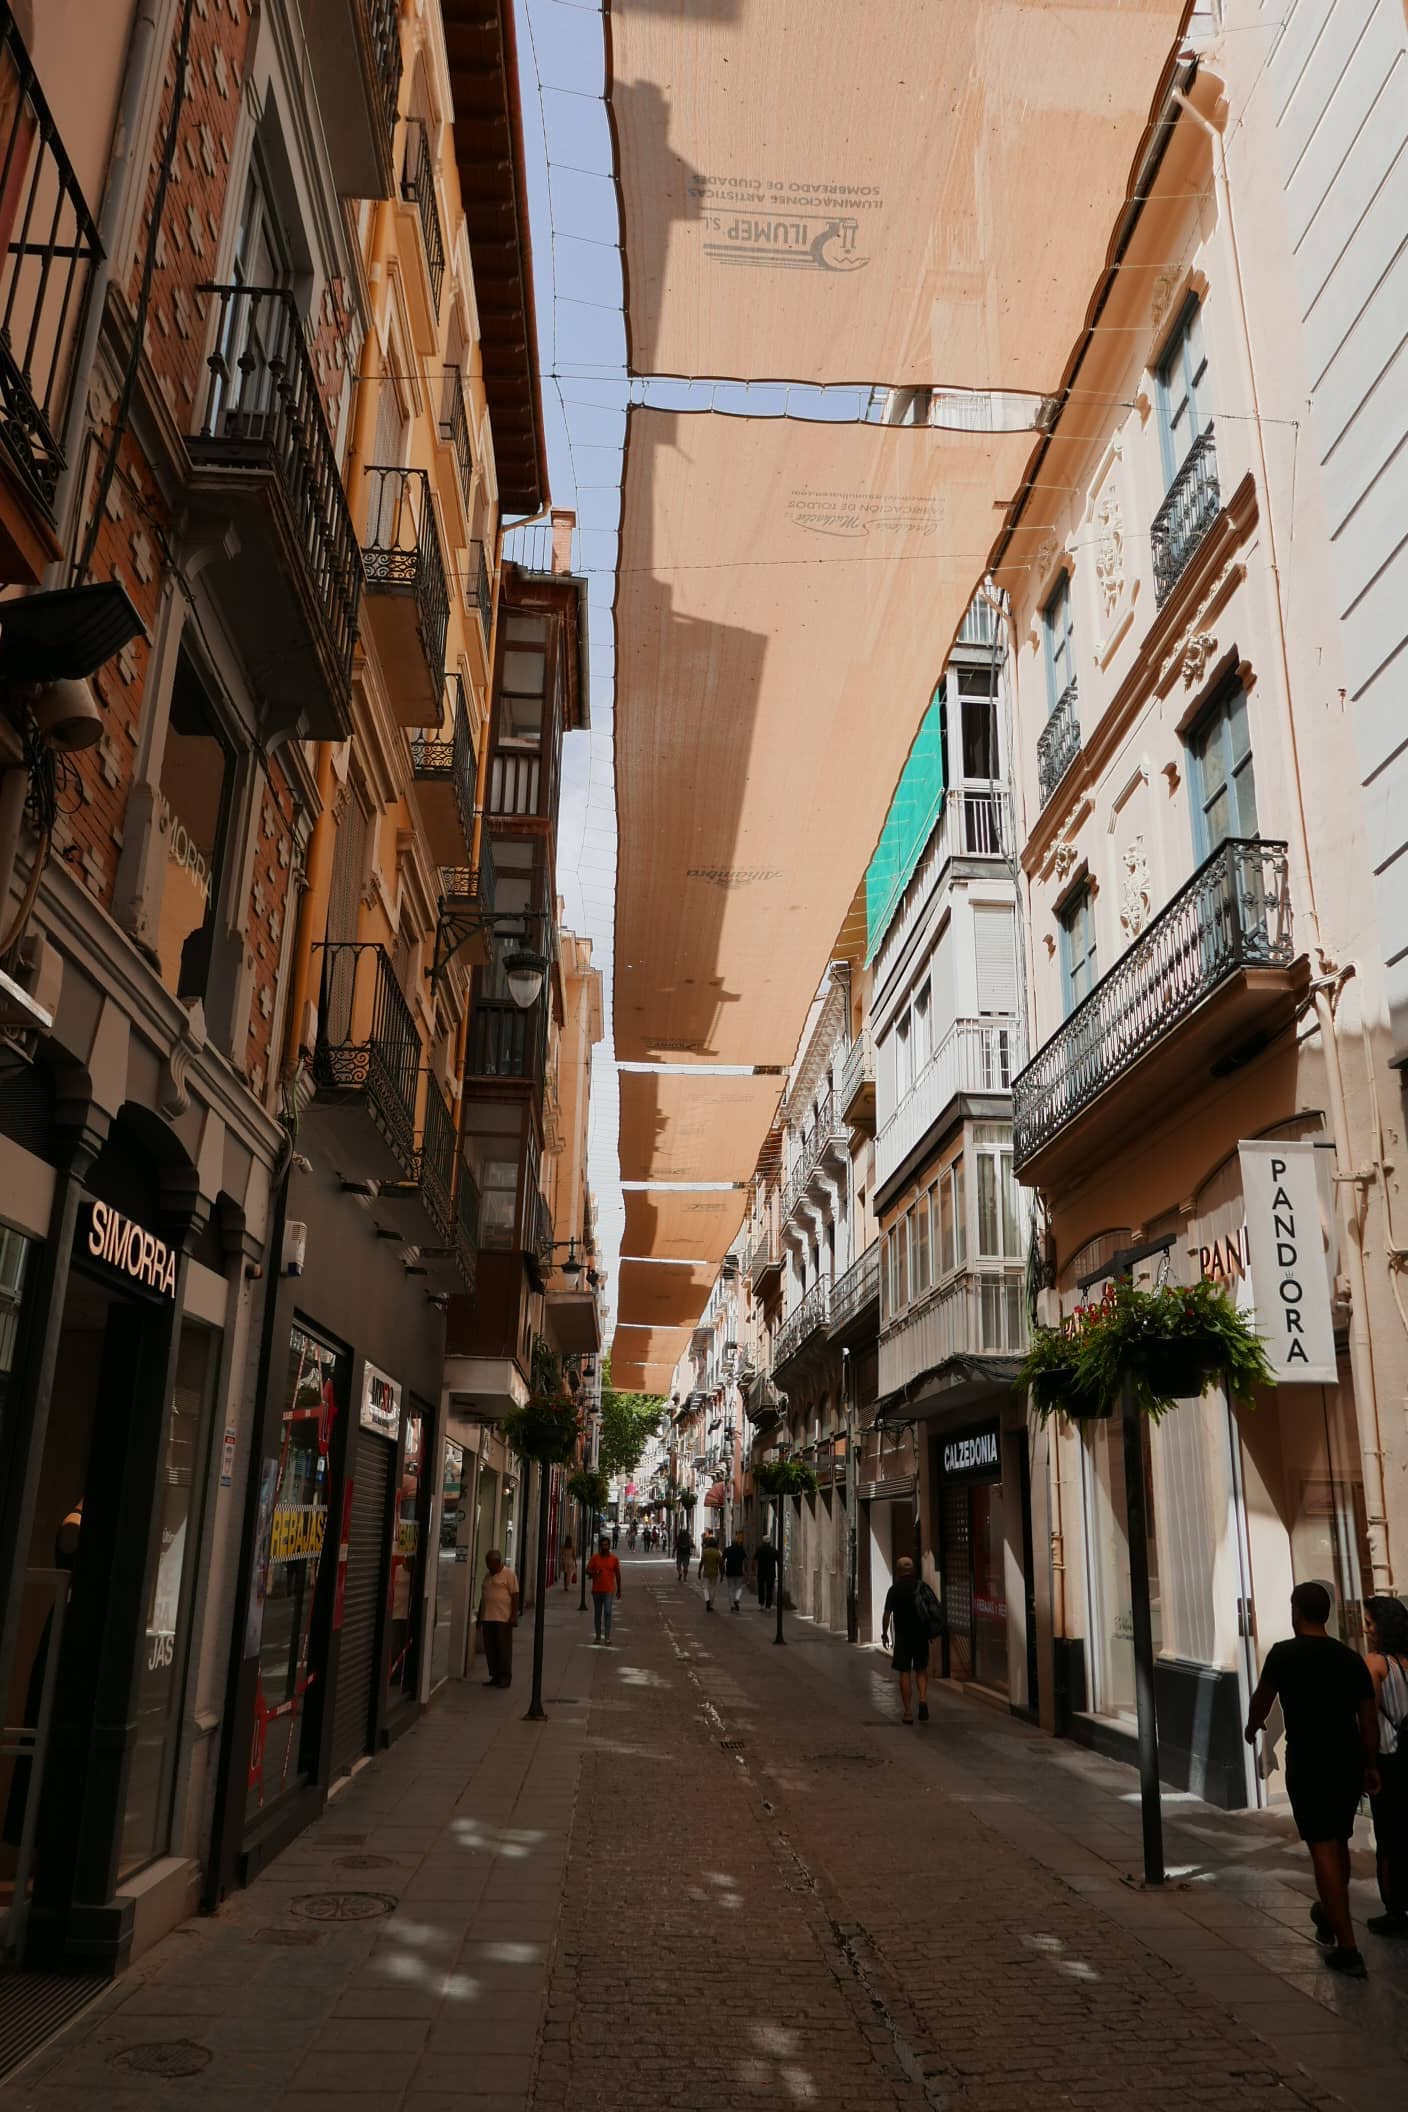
{"points": [[604, 1570]]}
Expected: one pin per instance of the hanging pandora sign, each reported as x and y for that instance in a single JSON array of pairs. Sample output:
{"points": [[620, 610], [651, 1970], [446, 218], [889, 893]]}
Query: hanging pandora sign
{"points": [[123, 1245], [1286, 1264]]}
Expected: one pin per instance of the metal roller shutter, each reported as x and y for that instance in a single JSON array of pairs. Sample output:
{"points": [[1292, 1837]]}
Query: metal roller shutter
{"points": [[366, 1556]]}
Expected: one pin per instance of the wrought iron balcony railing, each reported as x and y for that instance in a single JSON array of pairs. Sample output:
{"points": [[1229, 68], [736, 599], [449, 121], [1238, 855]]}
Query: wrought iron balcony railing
{"points": [[858, 1071], [1234, 913], [467, 1220], [402, 552], [435, 1172], [1193, 504], [857, 1288], [418, 189], [454, 428], [262, 410], [468, 886], [505, 1042], [1058, 743], [483, 592], [50, 246], [384, 40], [806, 1321], [537, 1225], [367, 1042], [449, 757], [827, 1133]]}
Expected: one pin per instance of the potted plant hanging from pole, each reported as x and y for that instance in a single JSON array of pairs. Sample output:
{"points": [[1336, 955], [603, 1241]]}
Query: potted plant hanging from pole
{"points": [[1169, 1343], [590, 1487], [785, 1477]]}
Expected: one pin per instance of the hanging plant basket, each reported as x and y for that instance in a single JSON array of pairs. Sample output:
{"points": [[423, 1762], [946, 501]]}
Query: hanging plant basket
{"points": [[686, 1499], [545, 1430], [785, 1477], [1168, 1345], [589, 1488]]}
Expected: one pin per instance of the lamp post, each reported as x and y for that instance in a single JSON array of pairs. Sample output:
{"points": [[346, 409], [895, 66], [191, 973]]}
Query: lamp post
{"points": [[781, 1564], [583, 1536], [536, 1712]]}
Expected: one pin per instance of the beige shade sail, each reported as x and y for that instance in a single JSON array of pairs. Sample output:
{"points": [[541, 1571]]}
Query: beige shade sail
{"points": [[662, 1294], [675, 1226], [700, 1128], [788, 593], [641, 1378], [656, 1349], [899, 193]]}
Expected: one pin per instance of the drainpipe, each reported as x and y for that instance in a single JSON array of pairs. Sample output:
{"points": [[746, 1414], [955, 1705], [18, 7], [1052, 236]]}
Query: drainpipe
{"points": [[1347, 1177]]}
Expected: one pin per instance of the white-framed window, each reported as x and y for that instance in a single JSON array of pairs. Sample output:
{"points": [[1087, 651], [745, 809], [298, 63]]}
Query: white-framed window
{"points": [[950, 1246], [922, 1027], [1182, 391], [999, 1220], [919, 1249], [1057, 646]]}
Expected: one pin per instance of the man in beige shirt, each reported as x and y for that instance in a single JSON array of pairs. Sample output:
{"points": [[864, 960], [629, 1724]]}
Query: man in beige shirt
{"points": [[498, 1617]]}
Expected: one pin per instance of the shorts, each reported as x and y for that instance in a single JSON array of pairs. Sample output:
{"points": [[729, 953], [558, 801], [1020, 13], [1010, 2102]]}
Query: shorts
{"points": [[911, 1653], [1325, 1804]]}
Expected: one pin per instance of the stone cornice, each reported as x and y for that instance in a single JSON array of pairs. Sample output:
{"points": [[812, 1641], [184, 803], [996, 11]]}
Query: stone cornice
{"points": [[1213, 573]]}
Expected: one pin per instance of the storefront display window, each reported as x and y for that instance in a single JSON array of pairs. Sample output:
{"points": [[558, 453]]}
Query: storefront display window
{"points": [[449, 1557], [147, 1809], [290, 1541], [404, 1598], [989, 1586], [15, 1251], [1107, 1555]]}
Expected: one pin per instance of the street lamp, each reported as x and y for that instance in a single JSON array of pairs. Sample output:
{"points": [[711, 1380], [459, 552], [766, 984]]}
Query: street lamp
{"points": [[524, 972]]}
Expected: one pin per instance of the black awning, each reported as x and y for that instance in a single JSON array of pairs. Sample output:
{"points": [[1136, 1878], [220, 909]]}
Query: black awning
{"points": [[956, 1385]]}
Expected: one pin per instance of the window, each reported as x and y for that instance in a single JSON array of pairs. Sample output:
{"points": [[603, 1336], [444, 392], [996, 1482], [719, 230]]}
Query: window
{"points": [[197, 773], [523, 681], [1182, 391], [1056, 635], [922, 1028], [901, 1244], [950, 1246], [999, 1224], [904, 1057], [977, 704], [1223, 782], [1078, 964], [919, 1246], [995, 952]]}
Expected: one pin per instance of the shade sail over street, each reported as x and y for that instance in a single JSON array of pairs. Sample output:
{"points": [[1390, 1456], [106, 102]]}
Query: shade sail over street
{"points": [[663, 1294], [831, 195], [673, 1225], [692, 1127], [787, 593]]}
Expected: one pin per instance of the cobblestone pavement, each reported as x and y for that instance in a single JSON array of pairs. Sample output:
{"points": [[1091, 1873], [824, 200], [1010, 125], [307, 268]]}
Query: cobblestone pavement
{"points": [[723, 1875]]}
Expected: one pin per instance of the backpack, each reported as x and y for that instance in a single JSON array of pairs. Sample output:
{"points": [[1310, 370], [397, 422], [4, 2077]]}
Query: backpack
{"points": [[930, 1611]]}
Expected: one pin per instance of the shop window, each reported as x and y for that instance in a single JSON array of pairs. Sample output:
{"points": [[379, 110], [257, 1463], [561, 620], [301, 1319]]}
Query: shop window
{"points": [[197, 779], [1223, 779], [1107, 1557], [291, 1534], [404, 1595], [999, 1226], [146, 1821], [1079, 971]]}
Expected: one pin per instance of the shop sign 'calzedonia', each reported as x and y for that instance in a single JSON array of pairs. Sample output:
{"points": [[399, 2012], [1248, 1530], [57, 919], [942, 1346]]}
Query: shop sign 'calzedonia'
{"points": [[120, 1243], [974, 1454]]}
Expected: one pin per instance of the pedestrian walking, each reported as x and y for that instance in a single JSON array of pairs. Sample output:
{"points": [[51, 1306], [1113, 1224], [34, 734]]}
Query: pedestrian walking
{"points": [[1332, 1745], [1386, 1633], [604, 1573], [569, 1564], [765, 1567], [711, 1564], [906, 1616], [616, 1536], [497, 1618], [684, 1549], [736, 1569]]}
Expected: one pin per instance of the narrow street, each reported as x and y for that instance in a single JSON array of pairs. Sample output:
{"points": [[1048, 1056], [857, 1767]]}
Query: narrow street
{"points": [[723, 1874]]}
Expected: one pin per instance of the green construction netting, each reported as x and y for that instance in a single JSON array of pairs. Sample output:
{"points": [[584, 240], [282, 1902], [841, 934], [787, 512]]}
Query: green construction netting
{"points": [[919, 797]]}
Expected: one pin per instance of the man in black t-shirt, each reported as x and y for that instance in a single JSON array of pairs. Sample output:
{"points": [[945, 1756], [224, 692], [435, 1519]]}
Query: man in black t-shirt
{"points": [[1332, 1745]]}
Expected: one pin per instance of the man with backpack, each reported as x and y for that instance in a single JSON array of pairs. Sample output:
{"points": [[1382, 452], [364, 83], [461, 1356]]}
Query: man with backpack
{"points": [[913, 1612]]}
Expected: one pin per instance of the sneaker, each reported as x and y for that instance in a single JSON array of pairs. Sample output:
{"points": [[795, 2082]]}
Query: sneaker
{"points": [[1394, 1924], [1324, 1934], [1350, 1963], [923, 1712]]}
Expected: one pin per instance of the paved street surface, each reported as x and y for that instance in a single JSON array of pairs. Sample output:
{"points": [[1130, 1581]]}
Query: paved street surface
{"points": [[724, 1875]]}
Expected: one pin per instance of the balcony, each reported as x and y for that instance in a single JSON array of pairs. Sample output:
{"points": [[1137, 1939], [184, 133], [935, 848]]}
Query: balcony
{"points": [[857, 1101], [1193, 504], [980, 1312], [827, 1141], [425, 278], [765, 1261], [408, 602], [444, 768], [355, 47], [857, 1290], [804, 1324], [51, 244], [1208, 980], [366, 1061], [483, 594], [976, 822], [505, 1042], [467, 1223], [515, 783], [422, 1207], [975, 1056], [263, 463], [466, 899], [1058, 743]]}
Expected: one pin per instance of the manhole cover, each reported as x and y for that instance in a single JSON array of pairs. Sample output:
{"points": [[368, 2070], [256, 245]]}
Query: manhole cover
{"points": [[164, 2057], [365, 1862], [341, 1906], [287, 1939], [843, 1760]]}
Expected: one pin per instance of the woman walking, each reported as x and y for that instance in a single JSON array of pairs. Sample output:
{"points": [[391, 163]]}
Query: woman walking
{"points": [[569, 1563], [1386, 1634]]}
